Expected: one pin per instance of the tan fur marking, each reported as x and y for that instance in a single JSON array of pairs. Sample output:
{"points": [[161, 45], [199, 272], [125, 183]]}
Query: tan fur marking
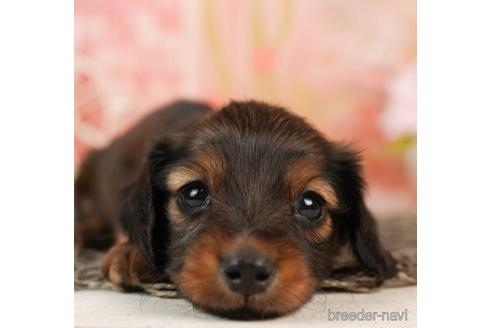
{"points": [[320, 233], [299, 174], [305, 175], [121, 238], [324, 189], [124, 266], [174, 212], [179, 177], [200, 279], [205, 166]]}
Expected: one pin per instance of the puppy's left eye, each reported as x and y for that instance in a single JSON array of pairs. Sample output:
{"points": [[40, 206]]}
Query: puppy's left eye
{"points": [[194, 195], [310, 206]]}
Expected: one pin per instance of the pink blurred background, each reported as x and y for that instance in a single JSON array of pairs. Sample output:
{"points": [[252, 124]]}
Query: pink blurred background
{"points": [[348, 66]]}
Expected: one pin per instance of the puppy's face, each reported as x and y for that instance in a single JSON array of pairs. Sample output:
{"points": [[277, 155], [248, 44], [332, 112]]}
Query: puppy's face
{"points": [[252, 209]]}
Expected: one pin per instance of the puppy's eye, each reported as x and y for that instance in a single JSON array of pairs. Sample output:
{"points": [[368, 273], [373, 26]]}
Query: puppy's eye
{"points": [[310, 206], [194, 195]]}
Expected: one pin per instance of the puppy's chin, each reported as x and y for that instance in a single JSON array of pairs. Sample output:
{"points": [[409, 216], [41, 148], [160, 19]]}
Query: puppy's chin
{"points": [[217, 300], [243, 313], [254, 307]]}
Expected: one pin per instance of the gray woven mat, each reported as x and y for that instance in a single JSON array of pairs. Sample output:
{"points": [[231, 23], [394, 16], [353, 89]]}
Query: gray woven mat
{"points": [[399, 236]]}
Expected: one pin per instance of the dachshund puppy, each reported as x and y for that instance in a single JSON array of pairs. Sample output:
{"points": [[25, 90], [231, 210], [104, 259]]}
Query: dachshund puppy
{"points": [[245, 209]]}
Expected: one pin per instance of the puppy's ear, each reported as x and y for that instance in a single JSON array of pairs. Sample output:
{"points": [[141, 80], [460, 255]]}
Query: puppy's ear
{"points": [[361, 228], [368, 248], [143, 214]]}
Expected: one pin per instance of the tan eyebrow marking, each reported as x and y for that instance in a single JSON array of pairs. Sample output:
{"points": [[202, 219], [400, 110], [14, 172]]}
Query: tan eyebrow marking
{"points": [[305, 175], [179, 177], [323, 188], [298, 174], [206, 166]]}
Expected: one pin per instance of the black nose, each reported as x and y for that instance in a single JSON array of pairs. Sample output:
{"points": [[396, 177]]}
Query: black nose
{"points": [[248, 274]]}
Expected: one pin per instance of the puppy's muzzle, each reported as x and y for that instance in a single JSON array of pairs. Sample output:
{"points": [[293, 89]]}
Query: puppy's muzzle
{"points": [[248, 272]]}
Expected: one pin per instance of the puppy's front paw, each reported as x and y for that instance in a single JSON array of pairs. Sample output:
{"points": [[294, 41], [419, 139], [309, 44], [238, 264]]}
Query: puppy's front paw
{"points": [[125, 267]]}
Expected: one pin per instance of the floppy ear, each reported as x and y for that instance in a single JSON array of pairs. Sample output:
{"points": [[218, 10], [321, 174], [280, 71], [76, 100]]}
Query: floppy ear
{"points": [[143, 213], [345, 171], [368, 248]]}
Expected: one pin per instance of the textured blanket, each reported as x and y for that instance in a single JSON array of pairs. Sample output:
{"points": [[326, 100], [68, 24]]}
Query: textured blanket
{"points": [[398, 236]]}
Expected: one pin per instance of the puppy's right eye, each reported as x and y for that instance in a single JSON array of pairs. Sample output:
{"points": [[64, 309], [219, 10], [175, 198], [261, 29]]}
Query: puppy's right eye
{"points": [[310, 206], [194, 196]]}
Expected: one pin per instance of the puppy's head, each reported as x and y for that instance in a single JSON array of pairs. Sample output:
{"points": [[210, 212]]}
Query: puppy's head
{"points": [[250, 210]]}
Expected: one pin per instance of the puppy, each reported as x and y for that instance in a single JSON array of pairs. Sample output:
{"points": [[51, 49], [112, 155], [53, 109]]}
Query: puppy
{"points": [[245, 209]]}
